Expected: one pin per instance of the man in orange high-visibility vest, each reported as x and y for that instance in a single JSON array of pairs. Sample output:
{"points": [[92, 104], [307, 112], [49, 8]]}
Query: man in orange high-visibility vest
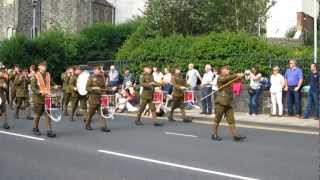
{"points": [[40, 85]]}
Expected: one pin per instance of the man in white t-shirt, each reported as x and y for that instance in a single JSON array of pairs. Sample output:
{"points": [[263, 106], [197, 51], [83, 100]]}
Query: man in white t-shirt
{"points": [[157, 75], [206, 89], [192, 77]]}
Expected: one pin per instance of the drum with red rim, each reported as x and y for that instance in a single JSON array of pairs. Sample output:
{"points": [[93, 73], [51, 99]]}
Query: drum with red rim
{"points": [[52, 107], [51, 101], [188, 97], [158, 97], [107, 100], [108, 105], [47, 102]]}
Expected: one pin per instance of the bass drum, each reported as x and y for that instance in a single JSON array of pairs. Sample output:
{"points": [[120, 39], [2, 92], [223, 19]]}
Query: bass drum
{"points": [[82, 82]]}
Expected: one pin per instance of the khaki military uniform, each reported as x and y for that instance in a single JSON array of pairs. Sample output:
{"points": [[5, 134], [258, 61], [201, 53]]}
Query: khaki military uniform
{"points": [[223, 101], [38, 101], [67, 91], [178, 95], [146, 97], [12, 77], [76, 97], [95, 81], [22, 92], [3, 87]]}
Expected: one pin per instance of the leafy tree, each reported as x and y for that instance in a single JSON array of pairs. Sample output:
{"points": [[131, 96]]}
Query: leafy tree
{"points": [[168, 17]]}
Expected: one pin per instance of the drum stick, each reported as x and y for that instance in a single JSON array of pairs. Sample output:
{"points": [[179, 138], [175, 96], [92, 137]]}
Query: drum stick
{"points": [[228, 83]]}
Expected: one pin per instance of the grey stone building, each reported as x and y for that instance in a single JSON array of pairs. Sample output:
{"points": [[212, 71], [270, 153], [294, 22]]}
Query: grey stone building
{"points": [[17, 16]]}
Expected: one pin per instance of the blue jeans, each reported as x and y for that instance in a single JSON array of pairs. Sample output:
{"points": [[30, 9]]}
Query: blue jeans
{"points": [[253, 101], [313, 101], [167, 88], [206, 103], [293, 100]]}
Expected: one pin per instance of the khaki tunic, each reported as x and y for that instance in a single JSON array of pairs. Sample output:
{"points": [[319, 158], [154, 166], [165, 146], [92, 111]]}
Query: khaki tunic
{"points": [[223, 101]]}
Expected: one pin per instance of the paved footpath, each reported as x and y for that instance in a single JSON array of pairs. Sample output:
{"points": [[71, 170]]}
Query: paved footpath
{"points": [[176, 151]]}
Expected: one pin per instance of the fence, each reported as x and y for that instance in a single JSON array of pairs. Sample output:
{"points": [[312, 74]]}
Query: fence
{"points": [[303, 63]]}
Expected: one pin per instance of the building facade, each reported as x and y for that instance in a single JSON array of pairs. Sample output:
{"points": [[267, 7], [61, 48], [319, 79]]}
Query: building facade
{"points": [[19, 16], [291, 14]]}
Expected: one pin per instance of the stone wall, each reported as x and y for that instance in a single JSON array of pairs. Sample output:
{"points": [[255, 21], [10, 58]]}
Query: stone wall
{"points": [[25, 17], [8, 17], [241, 102], [102, 11], [67, 15]]}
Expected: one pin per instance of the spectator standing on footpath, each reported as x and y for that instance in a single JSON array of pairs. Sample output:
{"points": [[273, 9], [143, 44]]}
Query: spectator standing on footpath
{"points": [[128, 79], [114, 77], [293, 83], [157, 75], [167, 85], [313, 95], [277, 84], [254, 90], [192, 77], [206, 89]]}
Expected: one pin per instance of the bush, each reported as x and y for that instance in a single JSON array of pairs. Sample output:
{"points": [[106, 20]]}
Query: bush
{"points": [[239, 50], [100, 42], [60, 49]]}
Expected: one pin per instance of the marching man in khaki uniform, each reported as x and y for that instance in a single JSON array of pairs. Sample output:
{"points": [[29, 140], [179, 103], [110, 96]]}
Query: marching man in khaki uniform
{"points": [[148, 84], [223, 104], [96, 85], [3, 86], [22, 94], [179, 85], [12, 76], [67, 89], [41, 86], [75, 96]]}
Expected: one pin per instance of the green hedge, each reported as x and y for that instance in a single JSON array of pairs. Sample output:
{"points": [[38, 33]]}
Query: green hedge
{"points": [[60, 49], [239, 50]]}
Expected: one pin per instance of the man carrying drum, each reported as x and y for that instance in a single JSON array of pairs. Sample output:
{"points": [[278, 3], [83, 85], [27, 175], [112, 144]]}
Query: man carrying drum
{"points": [[148, 84], [179, 86], [41, 84], [96, 86]]}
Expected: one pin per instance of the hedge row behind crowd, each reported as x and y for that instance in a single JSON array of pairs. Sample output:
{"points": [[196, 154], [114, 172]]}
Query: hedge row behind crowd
{"points": [[131, 43]]}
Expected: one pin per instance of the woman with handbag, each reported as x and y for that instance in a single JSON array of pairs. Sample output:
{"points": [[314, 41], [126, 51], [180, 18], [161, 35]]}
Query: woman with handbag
{"points": [[254, 90]]}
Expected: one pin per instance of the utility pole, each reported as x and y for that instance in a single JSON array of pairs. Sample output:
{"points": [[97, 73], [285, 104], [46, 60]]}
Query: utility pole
{"points": [[315, 30], [34, 5]]}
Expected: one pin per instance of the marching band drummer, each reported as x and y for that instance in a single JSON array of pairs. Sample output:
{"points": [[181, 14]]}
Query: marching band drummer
{"points": [[75, 96], [148, 84], [3, 86], [96, 86], [179, 85], [40, 86], [22, 93]]}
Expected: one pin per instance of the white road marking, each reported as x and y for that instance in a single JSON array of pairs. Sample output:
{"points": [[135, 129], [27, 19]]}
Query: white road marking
{"points": [[234, 176], [21, 135], [178, 134], [262, 127], [266, 128]]}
